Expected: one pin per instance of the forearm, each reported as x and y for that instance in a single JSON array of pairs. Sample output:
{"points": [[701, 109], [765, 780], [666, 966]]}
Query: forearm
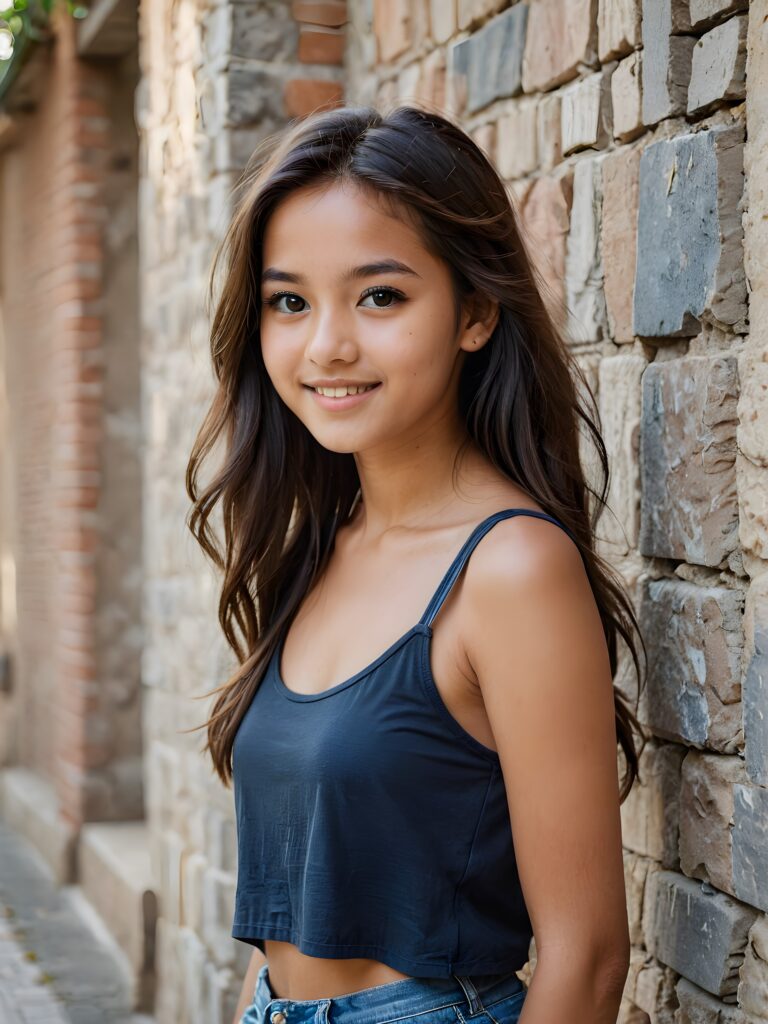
{"points": [[575, 990], [249, 984]]}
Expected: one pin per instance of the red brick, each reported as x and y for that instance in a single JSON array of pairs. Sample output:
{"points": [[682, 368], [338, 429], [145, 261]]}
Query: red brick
{"points": [[333, 14], [321, 46], [302, 96]]}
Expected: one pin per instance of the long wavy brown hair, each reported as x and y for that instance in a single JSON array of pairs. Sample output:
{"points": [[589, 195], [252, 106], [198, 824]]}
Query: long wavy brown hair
{"points": [[523, 396]]}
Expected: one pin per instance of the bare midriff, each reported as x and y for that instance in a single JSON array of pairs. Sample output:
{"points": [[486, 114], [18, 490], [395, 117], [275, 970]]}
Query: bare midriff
{"points": [[294, 975]]}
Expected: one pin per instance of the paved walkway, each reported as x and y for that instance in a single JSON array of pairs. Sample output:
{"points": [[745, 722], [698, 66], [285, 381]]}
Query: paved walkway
{"points": [[54, 968]]}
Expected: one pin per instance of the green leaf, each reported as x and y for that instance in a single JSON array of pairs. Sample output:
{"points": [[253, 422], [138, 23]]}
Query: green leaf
{"points": [[20, 5], [15, 24]]}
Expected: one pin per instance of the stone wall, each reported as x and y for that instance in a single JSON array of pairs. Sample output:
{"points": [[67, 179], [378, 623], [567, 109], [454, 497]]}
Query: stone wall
{"points": [[619, 127], [216, 79]]}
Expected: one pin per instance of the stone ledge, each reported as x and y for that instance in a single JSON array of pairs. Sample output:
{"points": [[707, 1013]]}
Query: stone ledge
{"points": [[28, 803]]}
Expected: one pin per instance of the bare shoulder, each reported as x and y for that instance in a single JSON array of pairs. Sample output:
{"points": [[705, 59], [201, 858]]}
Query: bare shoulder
{"points": [[521, 551]]}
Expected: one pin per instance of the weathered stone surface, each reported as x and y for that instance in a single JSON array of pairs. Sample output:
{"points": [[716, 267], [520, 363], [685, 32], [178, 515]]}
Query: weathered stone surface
{"points": [[550, 141], [690, 191], [704, 12], [678, 911], [254, 95], [666, 59], [253, 31], [650, 814], [586, 118], [694, 663], [689, 505], [636, 870], [583, 259], [706, 817], [718, 71], [442, 20], [699, 1007], [619, 237], [627, 99], [393, 27], [619, 399], [618, 28], [546, 218], [753, 986], [562, 34], [654, 993], [517, 135], [755, 695], [473, 11], [491, 58], [750, 842]]}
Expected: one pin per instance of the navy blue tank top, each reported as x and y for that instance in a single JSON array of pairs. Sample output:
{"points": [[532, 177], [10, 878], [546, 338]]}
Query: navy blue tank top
{"points": [[370, 823]]}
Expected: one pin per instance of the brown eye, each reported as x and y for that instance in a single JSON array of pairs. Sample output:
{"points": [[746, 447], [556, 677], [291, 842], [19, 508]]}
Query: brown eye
{"points": [[387, 293]]}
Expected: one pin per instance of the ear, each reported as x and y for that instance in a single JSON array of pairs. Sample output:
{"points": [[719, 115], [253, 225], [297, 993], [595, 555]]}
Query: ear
{"points": [[479, 319]]}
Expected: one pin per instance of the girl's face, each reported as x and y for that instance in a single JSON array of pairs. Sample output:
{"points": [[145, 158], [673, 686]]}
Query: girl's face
{"points": [[350, 296]]}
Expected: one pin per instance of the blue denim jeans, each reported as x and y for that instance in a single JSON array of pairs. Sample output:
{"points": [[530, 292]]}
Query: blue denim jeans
{"points": [[481, 999]]}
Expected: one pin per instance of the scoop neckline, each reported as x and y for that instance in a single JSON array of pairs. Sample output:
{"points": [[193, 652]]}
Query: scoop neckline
{"points": [[277, 677]]}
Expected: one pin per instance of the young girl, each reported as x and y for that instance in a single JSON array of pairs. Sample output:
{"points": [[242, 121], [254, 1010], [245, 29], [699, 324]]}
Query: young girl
{"points": [[422, 731]]}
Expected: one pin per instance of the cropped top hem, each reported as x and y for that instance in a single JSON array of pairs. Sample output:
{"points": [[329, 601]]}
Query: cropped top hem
{"points": [[415, 968]]}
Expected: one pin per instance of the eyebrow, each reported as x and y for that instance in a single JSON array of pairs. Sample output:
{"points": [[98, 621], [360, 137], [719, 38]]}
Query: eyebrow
{"points": [[365, 270]]}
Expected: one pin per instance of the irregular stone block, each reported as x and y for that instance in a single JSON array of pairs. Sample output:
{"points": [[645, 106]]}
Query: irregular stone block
{"points": [[706, 817], [753, 987], [755, 699], [694, 675], [585, 297], [492, 58], [619, 237], [627, 99], [393, 28], [650, 814], [689, 507], [690, 194], [550, 142], [678, 912], [546, 219], [586, 113], [636, 870], [719, 67], [655, 992], [619, 397], [562, 35], [698, 1007], [442, 20], [750, 842], [253, 95], [618, 28], [666, 59], [704, 12], [517, 135]]}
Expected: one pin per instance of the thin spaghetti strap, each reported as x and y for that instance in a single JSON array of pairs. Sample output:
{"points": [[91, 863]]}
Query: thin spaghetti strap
{"points": [[454, 570]]}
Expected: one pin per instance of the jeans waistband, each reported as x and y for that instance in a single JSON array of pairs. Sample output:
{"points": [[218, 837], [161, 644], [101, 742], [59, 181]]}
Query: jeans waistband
{"points": [[391, 1001]]}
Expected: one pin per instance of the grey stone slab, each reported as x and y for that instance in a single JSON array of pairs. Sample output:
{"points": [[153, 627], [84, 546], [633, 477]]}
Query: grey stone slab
{"points": [[755, 698], [719, 69], [689, 238], [750, 845], [679, 912], [492, 58], [667, 56], [695, 639], [688, 505]]}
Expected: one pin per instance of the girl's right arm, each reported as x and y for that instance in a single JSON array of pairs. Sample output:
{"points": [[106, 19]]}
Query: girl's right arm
{"points": [[249, 984]]}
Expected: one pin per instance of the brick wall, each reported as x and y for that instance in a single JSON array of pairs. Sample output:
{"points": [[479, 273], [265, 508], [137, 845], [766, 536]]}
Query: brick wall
{"points": [[72, 532]]}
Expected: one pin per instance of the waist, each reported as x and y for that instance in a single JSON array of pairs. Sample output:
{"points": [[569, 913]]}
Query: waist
{"points": [[393, 1000]]}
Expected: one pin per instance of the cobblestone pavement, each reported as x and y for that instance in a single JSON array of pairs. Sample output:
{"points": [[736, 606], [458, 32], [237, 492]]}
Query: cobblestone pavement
{"points": [[54, 967]]}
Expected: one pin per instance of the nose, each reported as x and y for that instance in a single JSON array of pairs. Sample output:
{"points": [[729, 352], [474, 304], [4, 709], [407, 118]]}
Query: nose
{"points": [[330, 339]]}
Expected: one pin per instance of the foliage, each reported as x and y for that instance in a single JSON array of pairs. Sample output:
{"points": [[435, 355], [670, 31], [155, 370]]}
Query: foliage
{"points": [[25, 19]]}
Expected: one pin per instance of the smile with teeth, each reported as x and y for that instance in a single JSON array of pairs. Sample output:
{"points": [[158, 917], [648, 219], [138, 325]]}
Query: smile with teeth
{"points": [[342, 392]]}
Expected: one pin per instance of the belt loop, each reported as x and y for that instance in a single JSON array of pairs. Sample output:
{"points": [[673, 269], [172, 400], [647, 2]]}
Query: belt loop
{"points": [[473, 996], [321, 1014]]}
